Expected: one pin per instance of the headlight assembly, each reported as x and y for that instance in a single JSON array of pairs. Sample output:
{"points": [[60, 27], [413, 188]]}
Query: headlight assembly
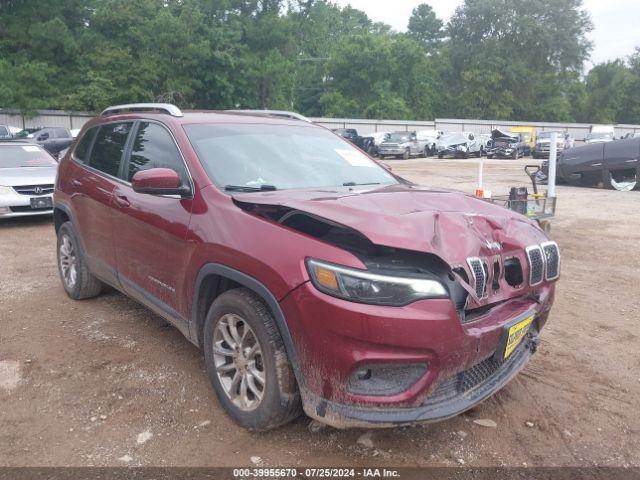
{"points": [[6, 190], [364, 287]]}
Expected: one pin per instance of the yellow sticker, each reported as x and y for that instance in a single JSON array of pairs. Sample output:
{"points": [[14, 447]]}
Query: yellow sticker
{"points": [[516, 334]]}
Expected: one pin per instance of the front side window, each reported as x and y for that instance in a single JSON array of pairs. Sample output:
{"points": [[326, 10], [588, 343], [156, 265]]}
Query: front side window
{"points": [[106, 154], [153, 147], [281, 156]]}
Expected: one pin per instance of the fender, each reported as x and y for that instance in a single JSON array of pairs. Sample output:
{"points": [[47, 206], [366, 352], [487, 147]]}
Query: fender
{"points": [[263, 292]]}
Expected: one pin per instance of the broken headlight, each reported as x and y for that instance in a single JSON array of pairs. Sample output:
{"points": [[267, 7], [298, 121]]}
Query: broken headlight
{"points": [[366, 287]]}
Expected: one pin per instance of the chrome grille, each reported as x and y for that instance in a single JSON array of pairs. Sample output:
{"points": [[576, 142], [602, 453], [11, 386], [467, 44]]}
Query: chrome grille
{"points": [[479, 274], [34, 189], [552, 260], [536, 265]]}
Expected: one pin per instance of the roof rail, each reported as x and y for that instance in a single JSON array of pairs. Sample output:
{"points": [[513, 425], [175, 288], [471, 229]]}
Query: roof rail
{"points": [[144, 107], [273, 113]]}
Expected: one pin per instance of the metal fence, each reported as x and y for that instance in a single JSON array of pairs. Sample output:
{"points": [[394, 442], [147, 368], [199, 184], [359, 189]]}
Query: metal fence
{"points": [[71, 120], [45, 118]]}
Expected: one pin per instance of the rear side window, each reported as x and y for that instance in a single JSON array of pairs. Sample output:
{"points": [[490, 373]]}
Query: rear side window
{"points": [[153, 147], [82, 149], [106, 154]]}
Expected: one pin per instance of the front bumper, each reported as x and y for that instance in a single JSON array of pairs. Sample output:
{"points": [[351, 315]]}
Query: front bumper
{"points": [[17, 205], [335, 339], [453, 152], [391, 151]]}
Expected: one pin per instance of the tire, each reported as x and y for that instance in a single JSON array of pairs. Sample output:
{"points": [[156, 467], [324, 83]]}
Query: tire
{"points": [[272, 401], [615, 181], [74, 273], [478, 153], [516, 155], [406, 155], [427, 152], [440, 155], [489, 156]]}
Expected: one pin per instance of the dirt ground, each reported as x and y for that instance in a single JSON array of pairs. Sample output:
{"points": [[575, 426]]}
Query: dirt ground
{"points": [[106, 382]]}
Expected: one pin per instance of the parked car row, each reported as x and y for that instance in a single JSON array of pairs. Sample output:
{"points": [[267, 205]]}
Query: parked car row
{"points": [[52, 139]]}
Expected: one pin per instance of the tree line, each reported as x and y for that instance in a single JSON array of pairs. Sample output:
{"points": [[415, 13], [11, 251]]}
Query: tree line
{"points": [[502, 59]]}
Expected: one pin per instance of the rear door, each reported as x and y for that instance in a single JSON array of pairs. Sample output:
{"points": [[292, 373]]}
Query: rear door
{"points": [[621, 155], [99, 157], [150, 230], [583, 165]]}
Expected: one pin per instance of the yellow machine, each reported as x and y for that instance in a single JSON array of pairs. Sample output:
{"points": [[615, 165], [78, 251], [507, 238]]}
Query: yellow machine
{"points": [[527, 135]]}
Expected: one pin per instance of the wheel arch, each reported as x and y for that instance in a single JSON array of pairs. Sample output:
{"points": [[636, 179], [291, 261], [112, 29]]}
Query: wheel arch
{"points": [[60, 215], [214, 279]]}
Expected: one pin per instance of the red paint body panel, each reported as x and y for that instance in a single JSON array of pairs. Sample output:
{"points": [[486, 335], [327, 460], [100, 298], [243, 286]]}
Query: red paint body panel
{"points": [[159, 245]]}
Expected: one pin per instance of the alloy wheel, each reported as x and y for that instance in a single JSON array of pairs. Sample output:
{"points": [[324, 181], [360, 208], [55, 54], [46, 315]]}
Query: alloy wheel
{"points": [[68, 261], [237, 356]]}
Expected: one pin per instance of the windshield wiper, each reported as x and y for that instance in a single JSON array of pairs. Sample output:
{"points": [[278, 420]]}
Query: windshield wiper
{"points": [[354, 184], [245, 188]]}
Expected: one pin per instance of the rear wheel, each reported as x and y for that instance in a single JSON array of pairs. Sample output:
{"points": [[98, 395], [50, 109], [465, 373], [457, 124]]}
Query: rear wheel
{"points": [[623, 180], [74, 273], [247, 363]]}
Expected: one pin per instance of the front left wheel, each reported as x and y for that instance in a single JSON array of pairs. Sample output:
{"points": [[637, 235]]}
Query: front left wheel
{"points": [[247, 362], [77, 280]]}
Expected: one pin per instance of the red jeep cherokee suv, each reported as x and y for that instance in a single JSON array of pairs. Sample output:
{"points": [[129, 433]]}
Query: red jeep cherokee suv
{"points": [[311, 276]]}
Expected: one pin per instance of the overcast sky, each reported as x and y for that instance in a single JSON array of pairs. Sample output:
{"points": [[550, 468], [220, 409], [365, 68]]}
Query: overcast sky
{"points": [[616, 22]]}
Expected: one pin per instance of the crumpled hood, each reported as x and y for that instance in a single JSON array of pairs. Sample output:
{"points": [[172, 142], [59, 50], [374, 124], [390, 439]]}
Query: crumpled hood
{"points": [[452, 140], [449, 224]]}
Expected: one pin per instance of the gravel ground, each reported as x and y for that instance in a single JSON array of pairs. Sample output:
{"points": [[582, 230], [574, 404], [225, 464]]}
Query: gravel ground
{"points": [[106, 382]]}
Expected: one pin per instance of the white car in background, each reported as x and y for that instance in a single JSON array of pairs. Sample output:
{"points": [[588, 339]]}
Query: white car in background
{"points": [[27, 176], [459, 145], [430, 137]]}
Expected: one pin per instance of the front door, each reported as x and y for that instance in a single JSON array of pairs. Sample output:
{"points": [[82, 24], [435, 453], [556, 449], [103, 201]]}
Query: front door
{"points": [[150, 230]]}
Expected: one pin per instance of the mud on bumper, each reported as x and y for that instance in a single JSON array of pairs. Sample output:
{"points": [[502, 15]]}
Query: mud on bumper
{"points": [[452, 396]]}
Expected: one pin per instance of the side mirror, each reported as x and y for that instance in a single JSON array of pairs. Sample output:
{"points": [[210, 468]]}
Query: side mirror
{"points": [[158, 181]]}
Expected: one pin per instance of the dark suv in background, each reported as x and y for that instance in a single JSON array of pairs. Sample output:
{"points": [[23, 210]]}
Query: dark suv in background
{"points": [[311, 277], [53, 139]]}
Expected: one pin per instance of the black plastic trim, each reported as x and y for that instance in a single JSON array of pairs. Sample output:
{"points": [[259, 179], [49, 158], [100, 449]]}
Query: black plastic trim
{"points": [[359, 416], [260, 289]]}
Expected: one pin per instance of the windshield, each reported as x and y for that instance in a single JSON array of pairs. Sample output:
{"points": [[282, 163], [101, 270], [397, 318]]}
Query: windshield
{"points": [[281, 157], [16, 156], [399, 137], [599, 136]]}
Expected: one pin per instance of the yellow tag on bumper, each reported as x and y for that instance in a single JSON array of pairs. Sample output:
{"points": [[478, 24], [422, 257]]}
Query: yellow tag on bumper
{"points": [[516, 334]]}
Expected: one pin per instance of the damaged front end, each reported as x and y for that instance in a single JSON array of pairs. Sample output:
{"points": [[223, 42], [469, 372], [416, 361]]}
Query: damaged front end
{"points": [[418, 333]]}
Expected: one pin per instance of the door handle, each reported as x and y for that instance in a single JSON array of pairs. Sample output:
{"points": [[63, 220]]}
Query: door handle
{"points": [[76, 183], [121, 201], [596, 164]]}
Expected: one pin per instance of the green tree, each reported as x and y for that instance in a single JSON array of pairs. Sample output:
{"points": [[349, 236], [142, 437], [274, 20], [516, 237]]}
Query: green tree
{"points": [[425, 27]]}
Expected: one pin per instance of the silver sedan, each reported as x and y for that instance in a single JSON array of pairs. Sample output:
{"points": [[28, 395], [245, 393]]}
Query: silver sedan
{"points": [[27, 176]]}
